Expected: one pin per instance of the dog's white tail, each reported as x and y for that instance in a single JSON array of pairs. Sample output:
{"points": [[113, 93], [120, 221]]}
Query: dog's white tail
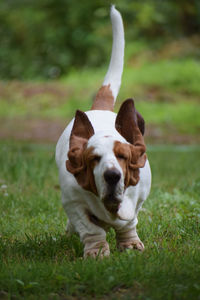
{"points": [[106, 96], [114, 74]]}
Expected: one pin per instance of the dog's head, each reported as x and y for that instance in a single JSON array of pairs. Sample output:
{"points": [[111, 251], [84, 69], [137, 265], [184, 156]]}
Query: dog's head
{"points": [[106, 164]]}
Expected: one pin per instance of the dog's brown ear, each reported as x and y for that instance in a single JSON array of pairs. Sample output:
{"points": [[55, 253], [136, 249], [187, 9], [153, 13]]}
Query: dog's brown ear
{"points": [[128, 121], [130, 124], [140, 122], [82, 130]]}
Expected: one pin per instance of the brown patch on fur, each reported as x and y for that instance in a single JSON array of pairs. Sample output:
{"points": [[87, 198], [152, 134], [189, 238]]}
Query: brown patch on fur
{"points": [[123, 154], [81, 164], [81, 159], [130, 158], [104, 99]]}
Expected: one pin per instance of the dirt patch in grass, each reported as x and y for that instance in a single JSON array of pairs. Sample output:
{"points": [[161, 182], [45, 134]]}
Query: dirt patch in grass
{"points": [[39, 111], [48, 131], [42, 131]]}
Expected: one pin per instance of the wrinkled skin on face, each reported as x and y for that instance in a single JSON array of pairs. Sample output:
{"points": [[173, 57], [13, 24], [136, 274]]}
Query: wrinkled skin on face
{"points": [[130, 159], [81, 164], [89, 166]]}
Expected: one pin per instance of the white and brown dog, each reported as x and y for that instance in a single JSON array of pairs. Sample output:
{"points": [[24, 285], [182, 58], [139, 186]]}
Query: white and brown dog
{"points": [[104, 172]]}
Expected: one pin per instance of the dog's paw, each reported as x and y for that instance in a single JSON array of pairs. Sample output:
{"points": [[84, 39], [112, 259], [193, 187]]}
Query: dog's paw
{"points": [[135, 244], [99, 250], [95, 253]]}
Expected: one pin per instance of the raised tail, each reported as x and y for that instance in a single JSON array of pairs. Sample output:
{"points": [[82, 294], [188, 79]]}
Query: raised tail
{"points": [[107, 94]]}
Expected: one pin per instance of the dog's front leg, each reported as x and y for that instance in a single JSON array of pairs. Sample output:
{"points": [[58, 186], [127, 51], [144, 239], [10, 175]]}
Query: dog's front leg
{"points": [[93, 238], [95, 246], [127, 238], [92, 235]]}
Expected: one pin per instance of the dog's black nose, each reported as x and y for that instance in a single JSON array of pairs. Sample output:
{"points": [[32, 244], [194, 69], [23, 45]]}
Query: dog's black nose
{"points": [[112, 176]]}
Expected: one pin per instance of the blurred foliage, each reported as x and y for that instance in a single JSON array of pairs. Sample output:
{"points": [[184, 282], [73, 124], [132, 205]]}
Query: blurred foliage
{"points": [[46, 38]]}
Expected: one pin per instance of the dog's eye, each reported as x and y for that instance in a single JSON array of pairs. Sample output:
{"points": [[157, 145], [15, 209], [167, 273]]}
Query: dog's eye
{"points": [[121, 156], [96, 158]]}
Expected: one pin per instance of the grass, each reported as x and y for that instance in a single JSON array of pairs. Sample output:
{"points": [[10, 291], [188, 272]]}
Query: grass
{"points": [[38, 261]]}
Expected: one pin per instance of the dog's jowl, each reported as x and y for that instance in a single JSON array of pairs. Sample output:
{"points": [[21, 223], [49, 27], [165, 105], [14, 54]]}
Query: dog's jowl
{"points": [[103, 168]]}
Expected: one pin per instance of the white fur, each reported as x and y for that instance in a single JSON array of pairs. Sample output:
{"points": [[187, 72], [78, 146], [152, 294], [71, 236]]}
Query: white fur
{"points": [[114, 74], [76, 201]]}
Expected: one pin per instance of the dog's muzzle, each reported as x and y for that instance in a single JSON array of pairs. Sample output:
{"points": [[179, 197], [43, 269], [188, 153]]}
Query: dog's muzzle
{"points": [[111, 201], [112, 176]]}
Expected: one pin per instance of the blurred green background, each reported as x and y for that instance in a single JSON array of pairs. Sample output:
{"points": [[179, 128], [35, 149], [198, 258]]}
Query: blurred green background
{"points": [[54, 55]]}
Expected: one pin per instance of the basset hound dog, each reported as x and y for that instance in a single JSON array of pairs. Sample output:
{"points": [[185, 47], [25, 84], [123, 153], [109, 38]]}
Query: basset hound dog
{"points": [[103, 168]]}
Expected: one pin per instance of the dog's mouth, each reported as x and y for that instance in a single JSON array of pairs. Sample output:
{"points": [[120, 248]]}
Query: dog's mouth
{"points": [[112, 203], [118, 206]]}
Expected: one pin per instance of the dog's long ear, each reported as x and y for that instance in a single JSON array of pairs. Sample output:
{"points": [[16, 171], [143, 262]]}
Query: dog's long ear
{"points": [[140, 122], [82, 130], [128, 122], [76, 164]]}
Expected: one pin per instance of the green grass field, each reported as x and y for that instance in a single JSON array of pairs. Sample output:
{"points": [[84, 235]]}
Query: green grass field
{"points": [[38, 261]]}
